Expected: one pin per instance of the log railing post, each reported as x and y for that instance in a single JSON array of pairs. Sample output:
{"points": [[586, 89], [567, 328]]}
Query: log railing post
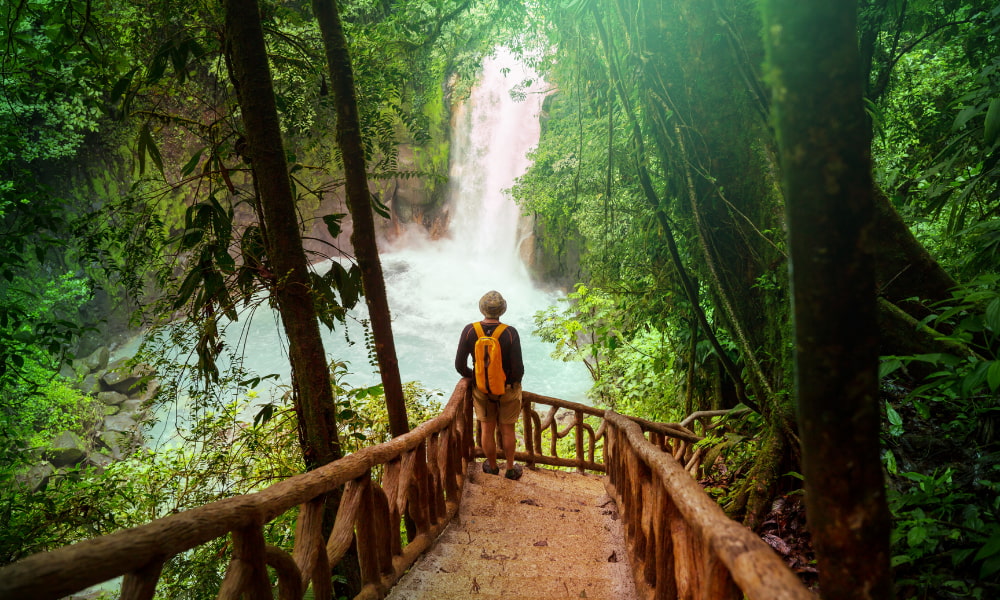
{"points": [[246, 576], [366, 533], [527, 411], [290, 586], [310, 551], [434, 478], [386, 530], [579, 440], [141, 584], [664, 577]]}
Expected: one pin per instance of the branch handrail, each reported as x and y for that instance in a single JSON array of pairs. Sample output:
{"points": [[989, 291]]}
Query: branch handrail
{"points": [[672, 437], [681, 543], [423, 474]]}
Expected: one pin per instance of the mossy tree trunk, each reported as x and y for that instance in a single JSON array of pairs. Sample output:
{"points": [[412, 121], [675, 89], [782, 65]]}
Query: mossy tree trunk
{"points": [[359, 202], [311, 376], [313, 395], [829, 197]]}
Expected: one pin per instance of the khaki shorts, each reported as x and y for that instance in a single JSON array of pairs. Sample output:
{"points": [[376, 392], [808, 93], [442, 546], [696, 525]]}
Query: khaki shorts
{"points": [[508, 406]]}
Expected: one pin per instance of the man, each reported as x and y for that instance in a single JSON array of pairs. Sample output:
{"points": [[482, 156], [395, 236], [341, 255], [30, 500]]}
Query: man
{"points": [[503, 408]]}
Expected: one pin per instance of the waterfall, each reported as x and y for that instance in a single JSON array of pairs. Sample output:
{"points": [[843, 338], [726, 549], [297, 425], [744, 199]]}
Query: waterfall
{"points": [[434, 286]]}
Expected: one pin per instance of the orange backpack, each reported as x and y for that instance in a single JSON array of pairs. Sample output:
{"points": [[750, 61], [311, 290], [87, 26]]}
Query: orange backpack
{"points": [[487, 361]]}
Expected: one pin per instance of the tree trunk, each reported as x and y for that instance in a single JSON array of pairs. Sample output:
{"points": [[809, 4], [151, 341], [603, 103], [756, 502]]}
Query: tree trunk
{"points": [[312, 395], [826, 172], [904, 268], [359, 203]]}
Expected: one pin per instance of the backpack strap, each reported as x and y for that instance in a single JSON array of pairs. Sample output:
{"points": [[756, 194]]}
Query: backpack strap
{"points": [[478, 327]]}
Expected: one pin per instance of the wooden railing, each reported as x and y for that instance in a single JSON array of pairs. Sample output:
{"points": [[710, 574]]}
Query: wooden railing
{"points": [[423, 474], [541, 431], [682, 545]]}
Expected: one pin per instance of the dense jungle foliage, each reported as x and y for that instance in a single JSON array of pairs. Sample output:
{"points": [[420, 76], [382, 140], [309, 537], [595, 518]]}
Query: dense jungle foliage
{"points": [[126, 201]]}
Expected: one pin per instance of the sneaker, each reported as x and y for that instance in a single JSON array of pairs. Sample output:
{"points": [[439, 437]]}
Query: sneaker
{"points": [[488, 470], [514, 473]]}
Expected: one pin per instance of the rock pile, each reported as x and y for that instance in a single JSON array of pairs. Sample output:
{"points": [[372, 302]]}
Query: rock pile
{"points": [[125, 395]]}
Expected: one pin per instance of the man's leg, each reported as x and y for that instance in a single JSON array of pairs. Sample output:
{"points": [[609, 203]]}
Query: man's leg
{"points": [[490, 442], [509, 443]]}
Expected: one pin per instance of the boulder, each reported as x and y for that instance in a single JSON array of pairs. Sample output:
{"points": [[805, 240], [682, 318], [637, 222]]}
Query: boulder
{"points": [[116, 442], [120, 378], [152, 387], [111, 398], [98, 359], [80, 367], [134, 407], [120, 423], [98, 460], [111, 410], [66, 449], [66, 371], [90, 384], [37, 476]]}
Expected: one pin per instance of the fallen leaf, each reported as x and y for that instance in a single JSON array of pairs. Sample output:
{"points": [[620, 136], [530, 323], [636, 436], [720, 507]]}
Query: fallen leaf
{"points": [[541, 543], [777, 543]]}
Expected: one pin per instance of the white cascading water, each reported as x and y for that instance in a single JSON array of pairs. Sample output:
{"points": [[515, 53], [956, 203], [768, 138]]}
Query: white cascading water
{"points": [[434, 286]]}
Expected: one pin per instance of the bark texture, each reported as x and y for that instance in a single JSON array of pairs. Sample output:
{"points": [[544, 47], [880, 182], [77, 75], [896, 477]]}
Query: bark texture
{"points": [[826, 171], [313, 395], [359, 203]]}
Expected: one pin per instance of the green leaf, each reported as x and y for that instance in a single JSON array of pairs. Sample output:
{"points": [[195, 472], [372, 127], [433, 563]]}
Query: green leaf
{"points": [[333, 223], [894, 417], [991, 547], [189, 166], [993, 375], [188, 287], [888, 366], [148, 146], [992, 127], [900, 559], [380, 208], [890, 463], [963, 117], [990, 567], [916, 535], [264, 415], [993, 315]]}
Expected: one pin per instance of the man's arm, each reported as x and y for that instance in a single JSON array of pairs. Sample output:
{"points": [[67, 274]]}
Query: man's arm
{"points": [[462, 355], [516, 362]]}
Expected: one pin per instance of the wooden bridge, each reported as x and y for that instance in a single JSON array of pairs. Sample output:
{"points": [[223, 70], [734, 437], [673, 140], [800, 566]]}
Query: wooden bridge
{"points": [[553, 534]]}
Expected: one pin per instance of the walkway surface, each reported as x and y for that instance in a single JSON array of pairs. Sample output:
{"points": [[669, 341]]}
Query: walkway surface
{"points": [[552, 534]]}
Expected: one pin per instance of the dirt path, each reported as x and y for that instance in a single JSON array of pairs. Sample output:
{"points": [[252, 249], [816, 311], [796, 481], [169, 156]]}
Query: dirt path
{"points": [[552, 534]]}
